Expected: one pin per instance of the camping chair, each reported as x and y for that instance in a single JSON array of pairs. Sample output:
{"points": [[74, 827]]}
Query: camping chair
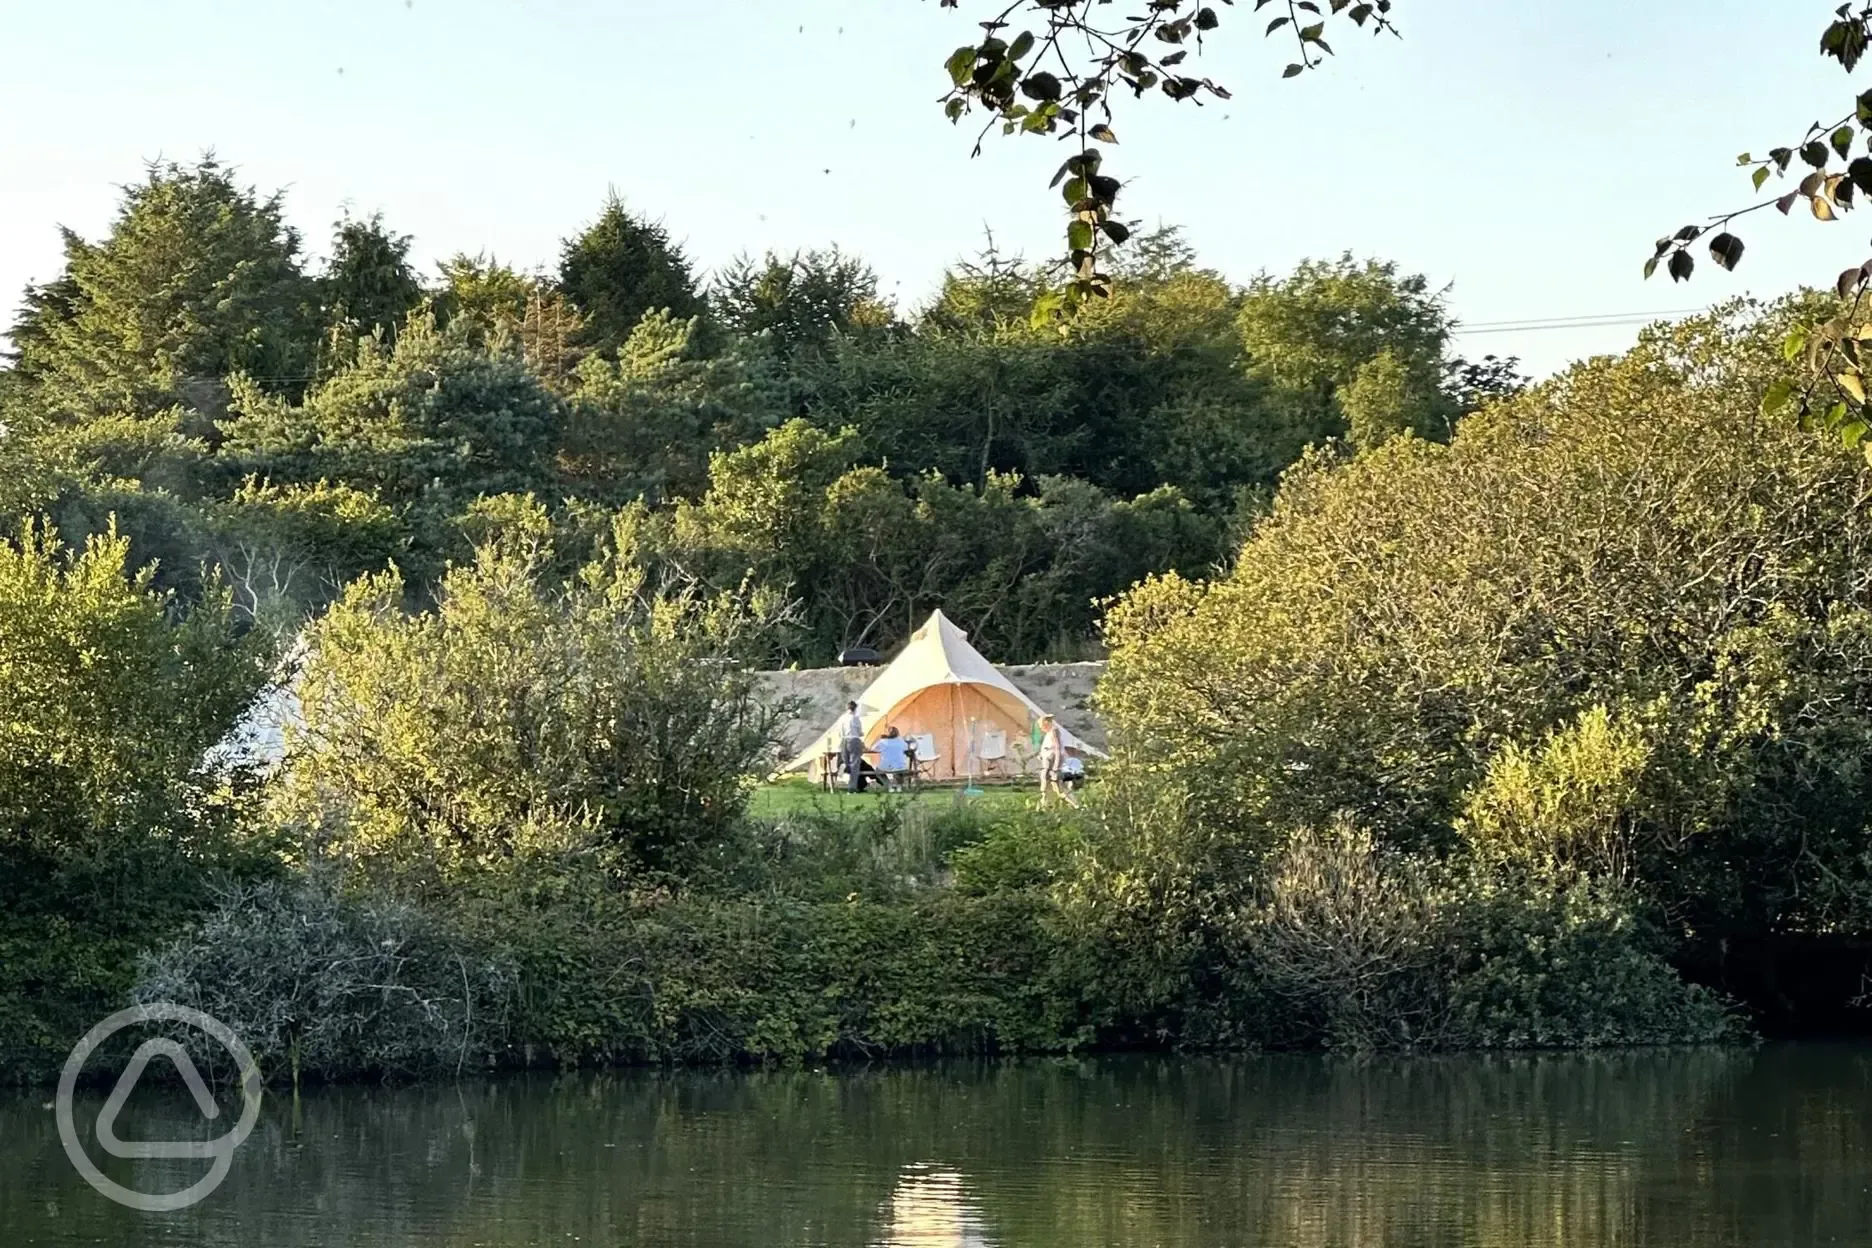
{"points": [[994, 748], [924, 745]]}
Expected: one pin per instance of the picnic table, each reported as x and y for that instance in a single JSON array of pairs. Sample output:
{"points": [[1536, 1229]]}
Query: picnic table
{"points": [[920, 769]]}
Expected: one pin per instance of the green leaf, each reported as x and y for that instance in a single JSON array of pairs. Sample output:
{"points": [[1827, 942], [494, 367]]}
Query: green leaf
{"points": [[961, 64], [1815, 154], [1761, 176], [1023, 43], [1650, 266], [1794, 343], [1293, 70], [1852, 384], [1777, 396], [1117, 231], [1852, 433], [1103, 133], [1682, 264], [1041, 86], [1074, 190], [1206, 19], [1860, 171], [1079, 235], [1842, 141], [1726, 250]]}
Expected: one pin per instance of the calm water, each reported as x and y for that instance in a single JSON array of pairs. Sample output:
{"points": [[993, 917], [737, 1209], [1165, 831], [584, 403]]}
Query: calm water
{"points": [[1773, 1147]]}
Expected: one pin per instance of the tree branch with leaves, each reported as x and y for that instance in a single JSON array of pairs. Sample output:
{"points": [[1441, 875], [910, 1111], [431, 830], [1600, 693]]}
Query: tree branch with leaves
{"points": [[1834, 352], [1056, 67]]}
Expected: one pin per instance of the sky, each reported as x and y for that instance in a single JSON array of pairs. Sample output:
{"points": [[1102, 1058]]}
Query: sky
{"points": [[1524, 155]]}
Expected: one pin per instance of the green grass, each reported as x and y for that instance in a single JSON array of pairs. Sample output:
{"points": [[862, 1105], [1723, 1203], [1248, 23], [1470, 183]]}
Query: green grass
{"points": [[797, 797]]}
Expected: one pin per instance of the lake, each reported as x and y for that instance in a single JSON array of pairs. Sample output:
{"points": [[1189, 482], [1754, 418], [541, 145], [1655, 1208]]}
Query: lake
{"points": [[1706, 1148]]}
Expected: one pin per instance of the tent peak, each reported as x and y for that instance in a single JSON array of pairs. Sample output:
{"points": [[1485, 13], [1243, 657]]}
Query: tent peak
{"points": [[936, 621]]}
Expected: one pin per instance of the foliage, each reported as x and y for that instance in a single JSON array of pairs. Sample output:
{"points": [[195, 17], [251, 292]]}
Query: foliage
{"points": [[369, 287], [1831, 389], [110, 826], [1568, 960], [1617, 627], [1021, 850], [286, 548], [429, 422], [325, 986], [869, 555], [1351, 348], [801, 302], [611, 979], [109, 695], [1010, 76], [643, 425], [1348, 937], [521, 717], [620, 269], [198, 278], [1373, 949]]}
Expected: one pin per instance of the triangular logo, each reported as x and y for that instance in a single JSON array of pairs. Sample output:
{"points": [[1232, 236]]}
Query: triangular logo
{"points": [[126, 1083]]}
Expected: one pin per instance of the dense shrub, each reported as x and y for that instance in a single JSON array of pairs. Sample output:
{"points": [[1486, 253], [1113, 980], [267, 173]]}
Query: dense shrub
{"points": [[112, 827], [603, 716], [1374, 949], [325, 986], [1633, 536]]}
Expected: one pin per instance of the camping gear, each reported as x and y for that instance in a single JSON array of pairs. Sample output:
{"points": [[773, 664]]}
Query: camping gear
{"points": [[940, 691]]}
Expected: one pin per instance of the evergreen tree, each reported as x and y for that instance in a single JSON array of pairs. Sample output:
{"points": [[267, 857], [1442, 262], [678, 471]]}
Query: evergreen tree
{"points": [[369, 285], [199, 278], [621, 268]]}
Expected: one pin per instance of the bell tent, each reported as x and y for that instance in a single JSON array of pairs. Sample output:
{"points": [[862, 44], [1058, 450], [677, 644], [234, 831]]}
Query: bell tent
{"points": [[966, 718]]}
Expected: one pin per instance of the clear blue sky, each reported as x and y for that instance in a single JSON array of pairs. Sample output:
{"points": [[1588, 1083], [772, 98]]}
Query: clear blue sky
{"points": [[1525, 152]]}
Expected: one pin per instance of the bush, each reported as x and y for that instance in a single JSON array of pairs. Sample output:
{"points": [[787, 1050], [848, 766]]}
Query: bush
{"points": [[111, 827], [1022, 850], [607, 977], [1634, 536], [329, 987], [1355, 939], [527, 716], [1567, 961], [1373, 949]]}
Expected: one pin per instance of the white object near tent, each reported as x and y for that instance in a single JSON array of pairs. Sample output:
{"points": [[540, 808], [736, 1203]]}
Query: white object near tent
{"points": [[944, 695]]}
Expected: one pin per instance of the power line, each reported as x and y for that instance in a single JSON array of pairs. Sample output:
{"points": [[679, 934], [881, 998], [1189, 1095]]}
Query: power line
{"points": [[1602, 320]]}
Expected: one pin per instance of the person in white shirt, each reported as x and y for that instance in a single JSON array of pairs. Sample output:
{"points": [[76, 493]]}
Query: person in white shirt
{"points": [[852, 748]]}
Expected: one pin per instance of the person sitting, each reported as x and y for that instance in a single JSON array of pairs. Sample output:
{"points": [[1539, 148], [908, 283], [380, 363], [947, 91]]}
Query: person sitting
{"points": [[893, 757]]}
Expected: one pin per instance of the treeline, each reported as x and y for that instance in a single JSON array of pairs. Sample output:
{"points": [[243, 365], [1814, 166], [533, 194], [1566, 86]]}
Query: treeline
{"points": [[1549, 735], [778, 427]]}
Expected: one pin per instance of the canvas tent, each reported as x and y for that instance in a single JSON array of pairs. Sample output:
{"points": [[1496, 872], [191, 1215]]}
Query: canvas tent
{"points": [[943, 693]]}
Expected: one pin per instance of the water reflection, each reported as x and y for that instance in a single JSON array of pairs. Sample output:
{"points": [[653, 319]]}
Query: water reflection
{"points": [[1702, 1148], [931, 1209]]}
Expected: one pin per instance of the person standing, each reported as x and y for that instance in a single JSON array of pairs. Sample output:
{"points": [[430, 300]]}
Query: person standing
{"points": [[1052, 761], [851, 748]]}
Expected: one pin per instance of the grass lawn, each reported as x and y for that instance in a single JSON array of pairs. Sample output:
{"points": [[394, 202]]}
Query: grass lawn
{"points": [[794, 797]]}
